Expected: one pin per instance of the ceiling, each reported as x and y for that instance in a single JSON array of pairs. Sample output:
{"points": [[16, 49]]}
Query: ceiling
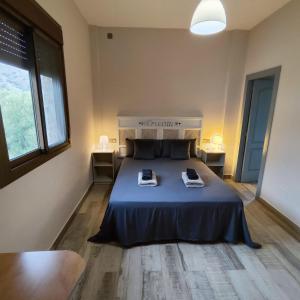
{"points": [[241, 14]]}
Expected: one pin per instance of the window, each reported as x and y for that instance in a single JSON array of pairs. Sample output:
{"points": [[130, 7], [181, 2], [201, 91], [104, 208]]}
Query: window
{"points": [[50, 75], [17, 109], [33, 100]]}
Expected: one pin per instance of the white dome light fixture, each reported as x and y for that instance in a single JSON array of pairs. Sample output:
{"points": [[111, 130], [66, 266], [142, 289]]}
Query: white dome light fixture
{"points": [[209, 18]]}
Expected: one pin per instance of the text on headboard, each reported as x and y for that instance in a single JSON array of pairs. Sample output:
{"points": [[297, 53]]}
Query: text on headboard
{"points": [[160, 123]]}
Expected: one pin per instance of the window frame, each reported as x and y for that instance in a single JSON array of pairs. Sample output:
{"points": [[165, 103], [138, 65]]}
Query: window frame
{"points": [[30, 14]]}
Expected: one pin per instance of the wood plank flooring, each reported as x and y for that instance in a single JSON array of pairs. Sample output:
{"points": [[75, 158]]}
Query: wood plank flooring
{"points": [[187, 271]]}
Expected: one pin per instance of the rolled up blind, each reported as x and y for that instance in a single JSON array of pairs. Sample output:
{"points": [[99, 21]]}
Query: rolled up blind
{"points": [[37, 16], [14, 46]]}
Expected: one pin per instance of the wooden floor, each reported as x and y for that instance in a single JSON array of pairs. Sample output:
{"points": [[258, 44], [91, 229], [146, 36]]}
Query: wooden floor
{"points": [[185, 271]]}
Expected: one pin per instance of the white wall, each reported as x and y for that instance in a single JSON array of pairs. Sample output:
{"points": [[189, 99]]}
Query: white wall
{"points": [[276, 42], [234, 92], [34, 208], [167, 72]]}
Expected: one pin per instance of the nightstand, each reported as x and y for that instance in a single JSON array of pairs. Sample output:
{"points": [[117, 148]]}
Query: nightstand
{"points": [[103, 167], [215, 161]]}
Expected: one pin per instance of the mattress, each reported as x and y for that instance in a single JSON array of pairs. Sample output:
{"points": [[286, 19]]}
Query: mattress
{"points": [[171, 212]]}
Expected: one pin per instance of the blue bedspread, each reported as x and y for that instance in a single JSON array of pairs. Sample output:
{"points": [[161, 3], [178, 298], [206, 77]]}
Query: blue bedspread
{"points": [[171, 212]]}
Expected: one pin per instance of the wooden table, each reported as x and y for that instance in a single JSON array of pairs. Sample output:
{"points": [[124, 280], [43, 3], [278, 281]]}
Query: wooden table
{"points": [[44, 275]]}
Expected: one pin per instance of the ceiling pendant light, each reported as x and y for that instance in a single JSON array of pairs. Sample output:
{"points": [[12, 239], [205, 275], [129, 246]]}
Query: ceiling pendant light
{"points": [[209, 18]]}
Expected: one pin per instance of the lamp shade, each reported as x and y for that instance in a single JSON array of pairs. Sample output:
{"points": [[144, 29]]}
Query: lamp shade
{"points": [[103, 142], [216, 143], [216, 139], [209, 18]]}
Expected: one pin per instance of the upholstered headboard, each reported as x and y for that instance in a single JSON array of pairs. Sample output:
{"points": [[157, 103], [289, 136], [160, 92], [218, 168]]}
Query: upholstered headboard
{"points": [[158, 128]]}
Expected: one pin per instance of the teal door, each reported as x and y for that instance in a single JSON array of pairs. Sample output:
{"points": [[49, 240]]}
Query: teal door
{"points": [[257, 126]]}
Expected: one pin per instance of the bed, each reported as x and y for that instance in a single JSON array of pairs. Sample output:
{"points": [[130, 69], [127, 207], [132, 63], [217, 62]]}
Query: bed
{"points": [[171, 212]]}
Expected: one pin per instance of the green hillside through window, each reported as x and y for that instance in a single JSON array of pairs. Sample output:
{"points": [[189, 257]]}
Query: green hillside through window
{"points": [[17, 111]]}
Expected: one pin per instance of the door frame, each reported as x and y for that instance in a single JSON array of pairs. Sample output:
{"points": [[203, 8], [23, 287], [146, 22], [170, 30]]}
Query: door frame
{"points": [[275, 74]]}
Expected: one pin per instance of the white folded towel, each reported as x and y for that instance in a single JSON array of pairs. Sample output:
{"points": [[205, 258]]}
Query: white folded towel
{"points": [[198, 183], [151, 182]]}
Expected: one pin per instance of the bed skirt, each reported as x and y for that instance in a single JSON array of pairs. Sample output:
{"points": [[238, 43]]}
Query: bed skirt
{"points": [[132, 226]]}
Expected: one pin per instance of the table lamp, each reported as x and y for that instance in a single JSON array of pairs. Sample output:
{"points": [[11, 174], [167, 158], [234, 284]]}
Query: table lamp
{"points": [[216, 142], [103, 142]]}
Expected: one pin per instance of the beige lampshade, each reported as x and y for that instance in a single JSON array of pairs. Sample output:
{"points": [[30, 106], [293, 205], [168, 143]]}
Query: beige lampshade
{"points": [[216, 139], [216, 143], [103, 142]]}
